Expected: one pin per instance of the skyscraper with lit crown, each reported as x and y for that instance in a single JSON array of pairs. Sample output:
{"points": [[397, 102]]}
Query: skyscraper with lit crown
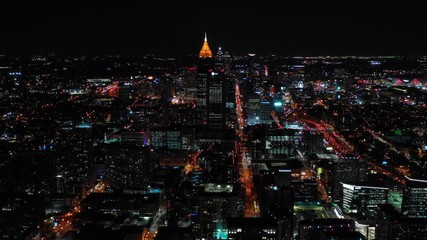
{"points": [[204, 67], [210, 90], [205, 52]]}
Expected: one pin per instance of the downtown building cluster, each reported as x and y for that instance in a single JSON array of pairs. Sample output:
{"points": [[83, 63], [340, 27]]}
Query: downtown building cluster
{"points": [[213, 147]]}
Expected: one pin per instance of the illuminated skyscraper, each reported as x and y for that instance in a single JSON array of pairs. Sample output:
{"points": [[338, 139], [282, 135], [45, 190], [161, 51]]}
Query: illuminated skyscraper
{"points": [[205, 52], [216, 101], [204, 69], [222, 66], [210, 90]]}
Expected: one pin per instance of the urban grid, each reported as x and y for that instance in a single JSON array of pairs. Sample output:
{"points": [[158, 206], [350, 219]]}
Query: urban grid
{"points": [[213, 145]]}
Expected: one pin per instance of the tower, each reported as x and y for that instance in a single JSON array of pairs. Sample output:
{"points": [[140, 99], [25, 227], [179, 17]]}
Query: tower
{"points": [[204, 68], [210, 90], [205, 52], [222, 67]]}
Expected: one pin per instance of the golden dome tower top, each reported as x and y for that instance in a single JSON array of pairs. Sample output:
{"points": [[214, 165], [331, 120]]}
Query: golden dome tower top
{"points": [[205, 52]]}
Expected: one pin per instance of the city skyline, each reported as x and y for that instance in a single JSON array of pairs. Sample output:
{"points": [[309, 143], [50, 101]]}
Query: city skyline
{"points": [[205, 121], [175, 29]]}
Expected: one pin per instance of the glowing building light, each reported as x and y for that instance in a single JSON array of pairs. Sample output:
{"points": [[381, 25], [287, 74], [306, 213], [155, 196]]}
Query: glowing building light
{"points": [[205, 52]]}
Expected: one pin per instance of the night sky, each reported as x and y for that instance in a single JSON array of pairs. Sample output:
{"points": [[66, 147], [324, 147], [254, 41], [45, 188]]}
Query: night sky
{"points": [[263, 27]]}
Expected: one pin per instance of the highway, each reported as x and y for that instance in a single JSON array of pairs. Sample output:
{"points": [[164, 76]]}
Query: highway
{"points": [[341, 146]]}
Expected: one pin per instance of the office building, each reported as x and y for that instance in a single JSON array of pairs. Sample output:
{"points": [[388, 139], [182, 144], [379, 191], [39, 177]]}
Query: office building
{"points": [[346, 169], [169, 138], [265, 108], [414, 203], [212, 206], [305, 190], [363, 197], [314, 228], [204, 69], [253, 229], [393, 225], [281, 142]]}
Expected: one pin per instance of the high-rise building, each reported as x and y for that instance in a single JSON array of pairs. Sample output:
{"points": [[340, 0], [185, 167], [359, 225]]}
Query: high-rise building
{"points": [[394, 225], [204, 68], [216, 100], [210, 89], [346, 169], [274, 181], [166, 138], [363, 197], [281, 142], [223, 68], [367, 227], [213, 206], [252, 110], [305, 191], [61, 183], [314, 228], [312, 143], [265, 108], [414, 203], [205, 52], [253, 228]]}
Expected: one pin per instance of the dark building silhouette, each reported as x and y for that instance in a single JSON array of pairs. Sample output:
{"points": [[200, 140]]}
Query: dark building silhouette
{"points": [[253, 229], [313, 229], [346, 169], [393, 225]]}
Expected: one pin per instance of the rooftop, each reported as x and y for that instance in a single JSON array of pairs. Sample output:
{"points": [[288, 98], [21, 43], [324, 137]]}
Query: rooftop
{"points": [[205, 52]]}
